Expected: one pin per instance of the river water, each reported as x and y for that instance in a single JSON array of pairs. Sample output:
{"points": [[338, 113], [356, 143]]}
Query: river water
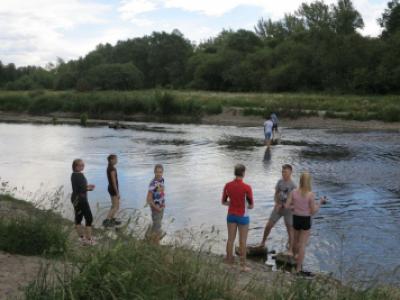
{"points": [[355, 236]]}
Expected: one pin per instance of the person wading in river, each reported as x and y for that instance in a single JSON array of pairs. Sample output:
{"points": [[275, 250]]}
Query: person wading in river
{"points": [[303, 204], [156, 200], [113, 190], [268, 125], [275, 121], [282, 190]]}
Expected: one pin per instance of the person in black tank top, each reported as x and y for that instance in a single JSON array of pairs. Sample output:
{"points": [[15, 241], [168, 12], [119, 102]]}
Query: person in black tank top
{"points": [[113, 190]]}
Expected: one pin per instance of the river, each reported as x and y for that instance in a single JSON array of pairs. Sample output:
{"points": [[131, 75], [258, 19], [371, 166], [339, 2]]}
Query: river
{"points": [[355, 236]]}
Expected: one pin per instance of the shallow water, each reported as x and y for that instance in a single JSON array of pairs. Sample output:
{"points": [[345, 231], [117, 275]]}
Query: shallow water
{"points": [[356, 235]]}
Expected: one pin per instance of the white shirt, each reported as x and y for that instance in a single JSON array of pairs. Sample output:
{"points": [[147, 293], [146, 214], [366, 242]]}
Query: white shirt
{"points": [[268, 126]]}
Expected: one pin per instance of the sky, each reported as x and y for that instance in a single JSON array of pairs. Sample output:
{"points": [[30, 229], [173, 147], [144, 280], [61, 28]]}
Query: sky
{"points": [[36, 32]]}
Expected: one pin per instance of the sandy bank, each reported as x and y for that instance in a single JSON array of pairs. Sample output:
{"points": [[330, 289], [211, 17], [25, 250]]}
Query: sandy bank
{"points": [[229, 117]]}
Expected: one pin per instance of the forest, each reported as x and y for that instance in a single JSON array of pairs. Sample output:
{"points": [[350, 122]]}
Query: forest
{"points": [[317, 48]]}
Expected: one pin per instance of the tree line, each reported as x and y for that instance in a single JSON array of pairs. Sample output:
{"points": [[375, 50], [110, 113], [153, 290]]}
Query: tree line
{"points": [[316, 48]]}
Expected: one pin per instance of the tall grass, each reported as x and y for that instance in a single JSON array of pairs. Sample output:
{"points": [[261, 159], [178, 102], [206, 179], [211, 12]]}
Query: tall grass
{"points": [[195, 104], [133, 269], [126, 267], [31, 231]]}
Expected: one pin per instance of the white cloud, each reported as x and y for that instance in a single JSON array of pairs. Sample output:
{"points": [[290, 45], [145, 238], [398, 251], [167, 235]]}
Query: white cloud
{"points": [[130, 9], [37, 31], [273, 9], [32, 32], [370, 13]]}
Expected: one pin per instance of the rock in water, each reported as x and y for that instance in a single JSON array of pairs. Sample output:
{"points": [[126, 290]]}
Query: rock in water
{"points": [[284, 261], [254, 251]]}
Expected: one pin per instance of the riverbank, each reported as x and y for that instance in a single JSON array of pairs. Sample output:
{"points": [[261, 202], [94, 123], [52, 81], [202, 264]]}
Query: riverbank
{"points": [[230, 117], [123, 267], [201, 106]]}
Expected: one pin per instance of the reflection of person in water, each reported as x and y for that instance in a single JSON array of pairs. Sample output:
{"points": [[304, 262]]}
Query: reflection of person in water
{"points": [[267, 154]]}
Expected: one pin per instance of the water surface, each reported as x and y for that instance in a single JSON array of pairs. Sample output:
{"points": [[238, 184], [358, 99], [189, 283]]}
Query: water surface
{"points": [[355, 236]]}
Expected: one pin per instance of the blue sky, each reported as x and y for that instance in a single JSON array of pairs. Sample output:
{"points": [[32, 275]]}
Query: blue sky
{"points": [[39, 31]]}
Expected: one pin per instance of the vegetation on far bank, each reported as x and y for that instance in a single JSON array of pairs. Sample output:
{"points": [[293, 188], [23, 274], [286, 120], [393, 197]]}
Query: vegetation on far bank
{"points": [[195, 104], [316, 48], [125, 267]]}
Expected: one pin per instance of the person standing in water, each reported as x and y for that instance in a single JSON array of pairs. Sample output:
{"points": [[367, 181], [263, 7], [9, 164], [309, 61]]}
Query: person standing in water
{"points": [[268, 125], [283, 188], [240, 197], [79, 200], [303, 204], [275, 121], [113, 190], [156, 200]]}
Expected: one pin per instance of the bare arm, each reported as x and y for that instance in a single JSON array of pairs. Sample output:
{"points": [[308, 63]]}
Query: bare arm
{"points": [[114, 182], [250, 199], [314, 205], [224, 199], [289, 201], [276, 199]]}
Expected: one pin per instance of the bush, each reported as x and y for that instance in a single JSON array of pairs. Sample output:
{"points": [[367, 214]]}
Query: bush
{"points": [[390, 113], [15, 103], [166, 104], [33, 235], [83, 119], [45, 104], [213, 108]]}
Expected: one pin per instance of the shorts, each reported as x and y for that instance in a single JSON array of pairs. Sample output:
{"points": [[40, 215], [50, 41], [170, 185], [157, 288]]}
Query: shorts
{"points": [[286, 213], [112, 192], [157, 217], [301, 223], [268, 135], [275, 127], [243, 220]]}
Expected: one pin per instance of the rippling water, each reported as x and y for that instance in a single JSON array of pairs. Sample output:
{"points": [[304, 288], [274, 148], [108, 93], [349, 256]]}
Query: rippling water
{"points": [[355, 236]]}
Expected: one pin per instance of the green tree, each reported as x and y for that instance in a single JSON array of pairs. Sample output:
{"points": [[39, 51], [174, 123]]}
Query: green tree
{"points": [[114, 77], [390, 21], [346, 18]]}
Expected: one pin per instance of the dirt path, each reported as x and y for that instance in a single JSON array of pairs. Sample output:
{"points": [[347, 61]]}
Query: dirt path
{"points": [[16, 272]]}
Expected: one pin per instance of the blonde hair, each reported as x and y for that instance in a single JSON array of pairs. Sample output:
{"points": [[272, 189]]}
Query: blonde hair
{"points": [[305, 183]]}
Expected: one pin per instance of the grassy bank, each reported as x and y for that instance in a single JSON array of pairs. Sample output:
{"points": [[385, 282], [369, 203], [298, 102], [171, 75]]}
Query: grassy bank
{"points": [[124, 267], [27, 230], [118, 105]]}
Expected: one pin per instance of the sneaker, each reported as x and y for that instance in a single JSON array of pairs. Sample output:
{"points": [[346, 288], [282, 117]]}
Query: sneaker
{"points": [[107, 223], [114, 221], [81, 239]]}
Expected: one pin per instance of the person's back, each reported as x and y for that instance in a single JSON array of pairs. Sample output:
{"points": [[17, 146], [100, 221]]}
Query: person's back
{"points": [[268, 126], [235, 195], [302, 203], [274, 118], [239, 193]]}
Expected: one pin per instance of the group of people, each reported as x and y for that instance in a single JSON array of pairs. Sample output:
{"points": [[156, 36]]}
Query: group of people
{"points": [[295, 204], [79, 199]]}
